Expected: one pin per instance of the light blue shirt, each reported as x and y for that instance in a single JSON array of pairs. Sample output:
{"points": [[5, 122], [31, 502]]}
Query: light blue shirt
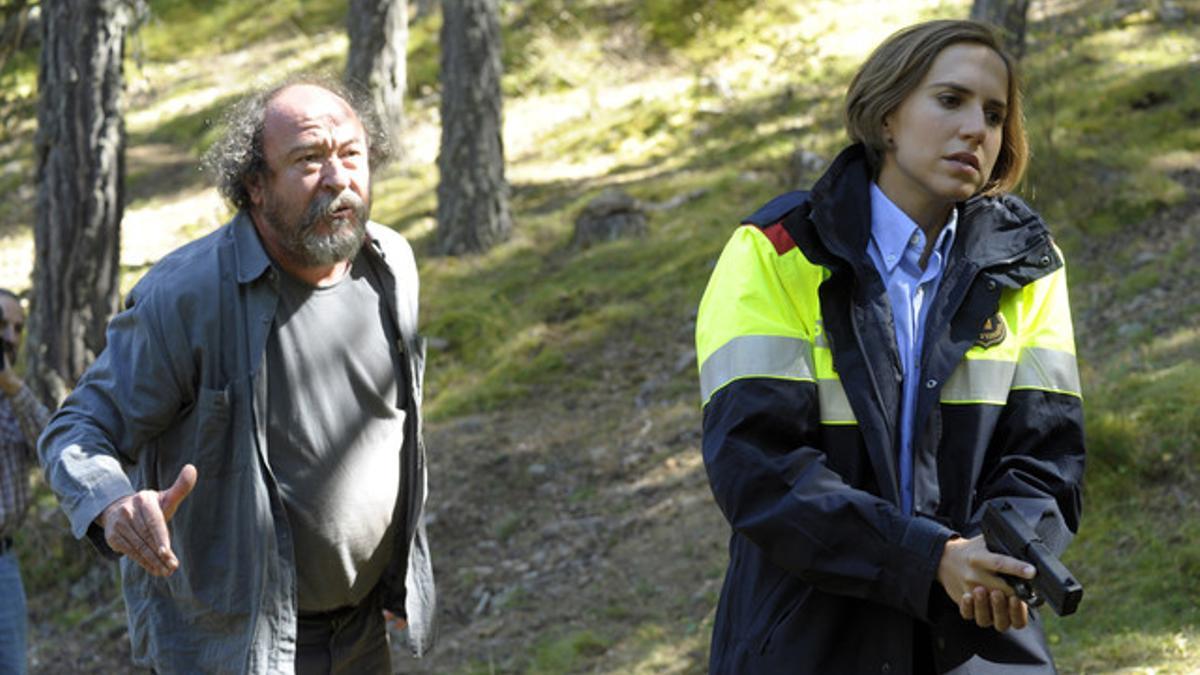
{"points": [[895, 247]]}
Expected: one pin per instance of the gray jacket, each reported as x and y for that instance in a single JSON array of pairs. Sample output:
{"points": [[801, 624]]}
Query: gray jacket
{"points": [[182, 381]]}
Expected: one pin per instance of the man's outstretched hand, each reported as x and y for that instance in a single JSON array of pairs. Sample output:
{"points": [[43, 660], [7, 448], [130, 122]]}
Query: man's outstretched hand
{"points": [[136, 525]]}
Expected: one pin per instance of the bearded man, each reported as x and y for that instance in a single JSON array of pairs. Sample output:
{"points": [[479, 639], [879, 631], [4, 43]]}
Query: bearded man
{"points": [[248, 443]]}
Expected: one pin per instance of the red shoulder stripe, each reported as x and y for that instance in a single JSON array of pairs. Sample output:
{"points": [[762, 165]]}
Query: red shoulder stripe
{"points": [[779, 237]]}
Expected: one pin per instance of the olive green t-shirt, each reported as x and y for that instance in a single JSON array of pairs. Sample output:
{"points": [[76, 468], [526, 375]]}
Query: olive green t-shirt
{"points": [[335, 429]]}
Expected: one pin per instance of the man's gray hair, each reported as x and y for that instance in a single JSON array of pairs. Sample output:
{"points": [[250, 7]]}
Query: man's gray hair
{"points": [[238, 156]]}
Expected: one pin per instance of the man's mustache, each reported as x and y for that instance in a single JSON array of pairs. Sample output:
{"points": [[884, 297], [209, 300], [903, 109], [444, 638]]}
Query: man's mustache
{"points": [[324, 206]]}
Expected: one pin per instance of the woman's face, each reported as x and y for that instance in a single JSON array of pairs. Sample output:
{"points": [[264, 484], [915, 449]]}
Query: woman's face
{"points": [[945, 137]]}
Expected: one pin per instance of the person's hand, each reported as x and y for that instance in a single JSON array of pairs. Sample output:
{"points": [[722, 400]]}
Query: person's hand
{"points": [[136, 525], [395, 622], [10, 384], [969, 573]]}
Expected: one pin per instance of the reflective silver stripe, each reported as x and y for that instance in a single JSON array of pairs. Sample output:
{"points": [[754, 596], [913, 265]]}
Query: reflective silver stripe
{"points": [[835, 407], [1049, 370], [756, 356], [986, 381], [979, 381]]}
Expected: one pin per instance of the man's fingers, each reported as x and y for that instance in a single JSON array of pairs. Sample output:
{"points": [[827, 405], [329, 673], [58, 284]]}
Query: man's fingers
{"points": [[152, 527], [170, 498], [126, 541], [134, 527], [397, 622]]}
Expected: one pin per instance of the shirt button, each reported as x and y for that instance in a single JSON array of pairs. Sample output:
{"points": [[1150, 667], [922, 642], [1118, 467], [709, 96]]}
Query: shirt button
{"points": [[930, 384], [991, 284], [916, 239], [887, 668]]}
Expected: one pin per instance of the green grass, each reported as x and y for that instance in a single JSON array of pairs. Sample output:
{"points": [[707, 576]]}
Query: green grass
{"points": [[566, 653], [1138, 551], [1103, 109], [181, 28]]}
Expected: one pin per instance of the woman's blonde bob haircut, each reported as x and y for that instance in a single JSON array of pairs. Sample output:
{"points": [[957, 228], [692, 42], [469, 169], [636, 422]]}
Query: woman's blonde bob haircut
{"points": [[896, 68]]}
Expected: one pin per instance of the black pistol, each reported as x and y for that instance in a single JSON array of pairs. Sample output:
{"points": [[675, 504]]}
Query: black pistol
{"points": [[1008, 534]]}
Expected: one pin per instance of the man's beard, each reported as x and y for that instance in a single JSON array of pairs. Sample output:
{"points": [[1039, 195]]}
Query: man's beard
{"points": [[313, 249]]}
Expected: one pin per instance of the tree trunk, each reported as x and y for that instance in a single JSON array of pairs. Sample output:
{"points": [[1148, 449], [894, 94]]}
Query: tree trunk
{"points": [[472, 211], [1009, 17], [80, 150], [376, 63]]}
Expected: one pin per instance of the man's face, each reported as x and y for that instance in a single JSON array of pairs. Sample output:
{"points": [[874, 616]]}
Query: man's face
{"points": [[12, 323], [314, 199]]}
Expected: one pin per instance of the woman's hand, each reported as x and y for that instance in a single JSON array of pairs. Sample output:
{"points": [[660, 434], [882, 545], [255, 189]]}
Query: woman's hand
{"points": [[969, 573]]}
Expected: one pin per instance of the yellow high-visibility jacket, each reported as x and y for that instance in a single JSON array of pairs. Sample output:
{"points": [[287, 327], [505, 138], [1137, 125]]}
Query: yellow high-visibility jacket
{"points": [[801, 387]]}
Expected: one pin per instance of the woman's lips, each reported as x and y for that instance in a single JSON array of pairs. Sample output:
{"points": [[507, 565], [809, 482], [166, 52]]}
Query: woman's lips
{"points": [[964, 160]]}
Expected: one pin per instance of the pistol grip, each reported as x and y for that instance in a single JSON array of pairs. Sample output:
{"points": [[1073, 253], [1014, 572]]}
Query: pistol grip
{"points": [[1024, 590]]}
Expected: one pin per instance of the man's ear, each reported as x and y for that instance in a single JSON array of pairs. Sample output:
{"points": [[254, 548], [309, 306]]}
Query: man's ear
{"points": [[254, 188]]}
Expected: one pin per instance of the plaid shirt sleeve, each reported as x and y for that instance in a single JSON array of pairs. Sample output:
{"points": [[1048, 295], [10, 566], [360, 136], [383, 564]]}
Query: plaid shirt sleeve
{"points": [[17, 451], [31, 415]]}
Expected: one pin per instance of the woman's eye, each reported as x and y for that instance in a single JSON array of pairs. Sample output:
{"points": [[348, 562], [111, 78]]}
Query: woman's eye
{"points": [[948, 100], [994, 118]]}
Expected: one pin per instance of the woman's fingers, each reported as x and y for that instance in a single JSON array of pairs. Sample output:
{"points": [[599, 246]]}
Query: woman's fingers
{"points": [[1000, 616]]}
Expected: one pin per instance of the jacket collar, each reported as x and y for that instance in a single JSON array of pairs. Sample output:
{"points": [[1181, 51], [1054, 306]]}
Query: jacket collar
{"points": [[252, 259], [992, 231]]}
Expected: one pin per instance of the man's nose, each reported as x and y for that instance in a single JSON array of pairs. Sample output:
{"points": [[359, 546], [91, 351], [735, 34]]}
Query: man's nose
{"points": [[335, 175]]}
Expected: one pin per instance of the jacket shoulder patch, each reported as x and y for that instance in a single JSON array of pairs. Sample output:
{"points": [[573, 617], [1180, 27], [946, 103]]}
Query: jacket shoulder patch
{"points": [[993, 332]]}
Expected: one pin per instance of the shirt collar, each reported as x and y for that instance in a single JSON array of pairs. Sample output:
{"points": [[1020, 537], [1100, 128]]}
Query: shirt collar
{"points": [[252, 259], [893, 231]]}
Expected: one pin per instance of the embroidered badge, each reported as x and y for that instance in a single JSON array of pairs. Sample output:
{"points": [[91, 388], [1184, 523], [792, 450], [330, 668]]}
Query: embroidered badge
{"points": [[993, 333]]}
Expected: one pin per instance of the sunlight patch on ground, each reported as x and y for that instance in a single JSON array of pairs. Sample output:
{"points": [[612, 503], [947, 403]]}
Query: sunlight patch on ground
{"points": [[270, 61], [16, 261], [150, 232], [664, 656], [851, 29], [529, 122]]}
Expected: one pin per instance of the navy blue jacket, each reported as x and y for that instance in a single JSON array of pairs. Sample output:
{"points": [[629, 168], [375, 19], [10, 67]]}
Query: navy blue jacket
{"points": [[826, 573]]}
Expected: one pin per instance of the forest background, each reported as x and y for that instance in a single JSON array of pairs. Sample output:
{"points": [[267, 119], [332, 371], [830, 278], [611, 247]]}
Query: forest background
{"points": [[572, 526]]}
